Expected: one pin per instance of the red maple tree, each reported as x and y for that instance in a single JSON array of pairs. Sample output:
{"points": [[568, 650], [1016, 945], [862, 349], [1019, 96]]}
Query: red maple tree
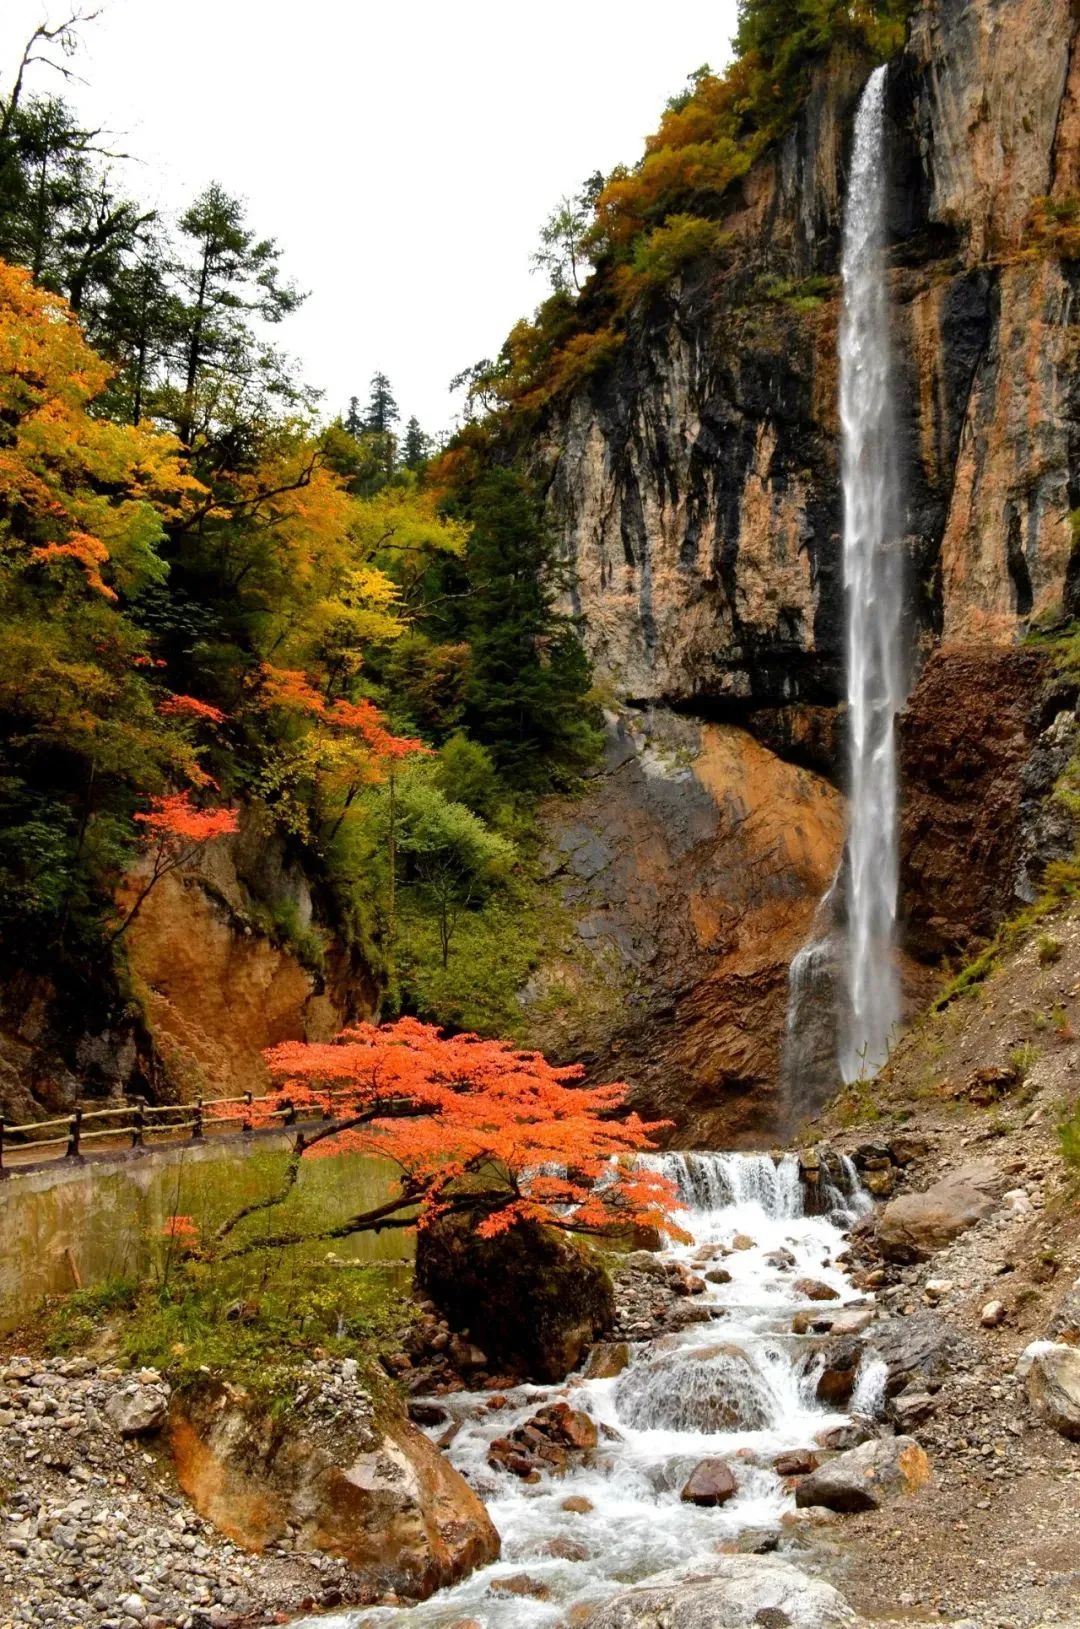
{"points": [[473, 1126]]}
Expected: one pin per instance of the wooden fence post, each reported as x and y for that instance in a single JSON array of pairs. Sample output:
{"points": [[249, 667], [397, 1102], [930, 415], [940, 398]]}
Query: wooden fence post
{"points": [[74, 1135], [246, 1126], [3, 1173], [197, 1125], [139, 1128]]}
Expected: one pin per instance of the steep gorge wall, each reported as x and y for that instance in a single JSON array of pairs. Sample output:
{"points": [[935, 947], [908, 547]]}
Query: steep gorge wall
{"points": [[695, 485]]}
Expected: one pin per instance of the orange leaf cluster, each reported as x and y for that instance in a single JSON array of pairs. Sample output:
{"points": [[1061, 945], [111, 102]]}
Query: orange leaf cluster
{"points": [[184, 1228], [191, 707], [285, 687], [460, 1112], [175, 820]]}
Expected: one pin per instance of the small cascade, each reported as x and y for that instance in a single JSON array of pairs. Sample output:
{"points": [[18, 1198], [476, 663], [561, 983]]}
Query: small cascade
{"points": [[740, 1386]]}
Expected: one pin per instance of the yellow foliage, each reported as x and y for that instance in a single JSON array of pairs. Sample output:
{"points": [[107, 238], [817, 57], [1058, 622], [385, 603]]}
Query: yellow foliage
{"points": [[75, 488]]}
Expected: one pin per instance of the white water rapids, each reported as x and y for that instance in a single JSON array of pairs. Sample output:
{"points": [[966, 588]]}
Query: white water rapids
{"points": [[741, 1387], [873, 590]]}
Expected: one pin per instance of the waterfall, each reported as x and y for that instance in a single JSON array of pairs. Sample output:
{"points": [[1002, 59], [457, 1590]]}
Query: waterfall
{"points": [[873, 594], [844, 988]]}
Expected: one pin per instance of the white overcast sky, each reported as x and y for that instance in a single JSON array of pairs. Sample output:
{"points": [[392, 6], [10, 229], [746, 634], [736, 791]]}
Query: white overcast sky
{"points": [[403, 154]]}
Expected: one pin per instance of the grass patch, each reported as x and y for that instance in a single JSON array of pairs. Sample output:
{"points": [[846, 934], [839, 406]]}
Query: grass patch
{"points": [[1048, 950]]}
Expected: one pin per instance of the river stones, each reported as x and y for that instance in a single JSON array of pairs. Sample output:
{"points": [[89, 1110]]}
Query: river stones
{"points": [[815, 1290], [710, 1483], [866, 1477], [739, 1592], [546, 1442], [797, 1462]]}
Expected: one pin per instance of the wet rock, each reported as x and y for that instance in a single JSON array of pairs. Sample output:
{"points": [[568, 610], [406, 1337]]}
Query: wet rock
{"points": [[709, 1388], [710, 1483], [606, 1360], [798, 1462], [837, 1379], [138, 1410], [815, 1290], [838, 1438], [428, 1414], [740, 1592], [866, 1477], [522, 1585], [577, 1505], [742, 1241], [913, 1227], [1051, 1374], [780, 1258], [852, 1320], [567, 1549], [718, 1275], [683, 1281]]}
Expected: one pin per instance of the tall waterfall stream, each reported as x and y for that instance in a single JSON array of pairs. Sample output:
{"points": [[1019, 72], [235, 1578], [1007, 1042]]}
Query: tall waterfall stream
{"points": [[741, 1387], [851, 952], [873, 593]]}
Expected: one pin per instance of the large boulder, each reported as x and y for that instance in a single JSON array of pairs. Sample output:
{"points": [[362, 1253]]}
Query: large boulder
{"points": [[918, 1351], [532, 1299], [139, 1409], [868, 1476], [914, 1226], [738, 1592], [1051, 1372], [710, 1483], [374, 1492]]}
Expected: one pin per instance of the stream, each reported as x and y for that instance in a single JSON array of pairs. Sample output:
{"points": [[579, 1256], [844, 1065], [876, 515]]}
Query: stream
{"points": [[741, 1388]]}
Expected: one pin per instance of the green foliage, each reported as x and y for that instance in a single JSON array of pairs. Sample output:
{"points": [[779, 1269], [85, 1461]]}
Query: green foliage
{"points": [[1048, 950], [527, 689], [77, 1321], [1022, 1060], [659, 257]]}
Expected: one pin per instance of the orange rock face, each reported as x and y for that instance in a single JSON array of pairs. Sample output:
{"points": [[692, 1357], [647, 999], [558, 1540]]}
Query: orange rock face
{"points": [[689, 874], [385, 1501]]}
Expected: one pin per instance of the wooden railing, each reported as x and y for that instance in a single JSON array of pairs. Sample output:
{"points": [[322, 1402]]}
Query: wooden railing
{"points": [[67, 1136]]}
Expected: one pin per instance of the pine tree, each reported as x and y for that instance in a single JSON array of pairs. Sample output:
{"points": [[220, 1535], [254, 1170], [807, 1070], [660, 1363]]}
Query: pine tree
{"points": [[416, 448], [382, 411]]}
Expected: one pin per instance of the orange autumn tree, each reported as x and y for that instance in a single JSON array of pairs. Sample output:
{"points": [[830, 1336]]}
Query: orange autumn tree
{"points": [[473, 1126], [176, 829]]}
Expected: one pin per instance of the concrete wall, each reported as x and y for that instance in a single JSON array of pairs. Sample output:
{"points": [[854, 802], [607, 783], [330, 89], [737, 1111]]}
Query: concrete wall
{"points": [[72, 1225]]}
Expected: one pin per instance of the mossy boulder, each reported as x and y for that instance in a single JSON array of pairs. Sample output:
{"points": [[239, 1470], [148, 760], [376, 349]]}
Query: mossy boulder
{"points": [[532, 1299]]}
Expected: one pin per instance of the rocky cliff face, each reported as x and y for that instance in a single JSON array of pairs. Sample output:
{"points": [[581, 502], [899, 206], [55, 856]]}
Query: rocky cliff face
{"points": [[695, 488]]}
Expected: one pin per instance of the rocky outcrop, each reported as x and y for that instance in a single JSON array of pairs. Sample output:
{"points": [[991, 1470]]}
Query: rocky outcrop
{"points": [[688, 873], [372, 1491], [536, 1299], [694, 486], [914, 1226], [217, 982]]}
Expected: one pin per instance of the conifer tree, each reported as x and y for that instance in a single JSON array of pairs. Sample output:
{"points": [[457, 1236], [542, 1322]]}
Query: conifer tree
{"points": [[416, 448]]}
